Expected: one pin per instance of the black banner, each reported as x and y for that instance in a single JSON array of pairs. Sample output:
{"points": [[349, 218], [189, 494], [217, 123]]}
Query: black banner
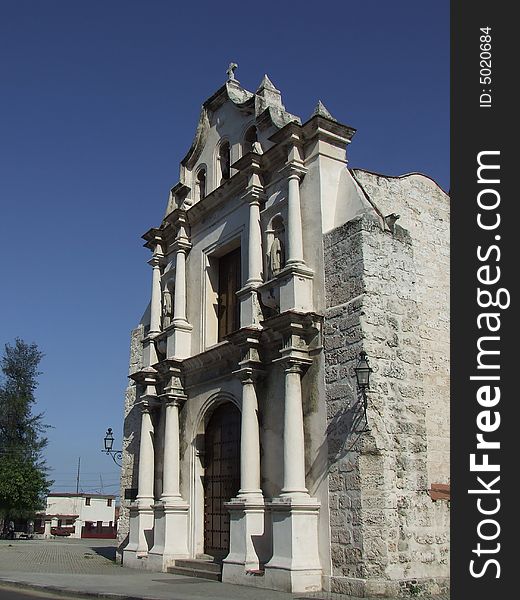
{"points": [[484, 256]]}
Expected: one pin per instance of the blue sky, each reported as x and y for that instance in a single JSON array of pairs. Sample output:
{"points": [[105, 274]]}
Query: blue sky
{"points": [[99, 101]]}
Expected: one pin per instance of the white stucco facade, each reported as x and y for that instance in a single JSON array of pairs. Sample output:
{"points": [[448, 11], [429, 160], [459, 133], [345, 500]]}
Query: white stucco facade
{"points": [[77, 511], [230, 414]]}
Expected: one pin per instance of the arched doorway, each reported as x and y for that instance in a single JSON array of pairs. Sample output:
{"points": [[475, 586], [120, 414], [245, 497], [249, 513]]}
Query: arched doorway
{"points": [[221, 476]]}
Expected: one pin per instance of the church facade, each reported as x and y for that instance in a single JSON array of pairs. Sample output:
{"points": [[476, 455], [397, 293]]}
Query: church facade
{"points": [[248, 444]]}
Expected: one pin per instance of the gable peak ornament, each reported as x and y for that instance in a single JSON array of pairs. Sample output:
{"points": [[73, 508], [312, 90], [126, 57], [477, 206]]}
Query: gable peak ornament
{"points": [[322, 111], [231, 71]]}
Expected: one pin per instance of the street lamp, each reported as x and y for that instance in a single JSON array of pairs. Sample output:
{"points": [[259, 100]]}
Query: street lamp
{"points": [[363, 370], [109, 442]]}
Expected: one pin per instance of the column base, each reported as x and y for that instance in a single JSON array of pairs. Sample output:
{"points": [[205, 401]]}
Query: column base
{"points": [[296, 288], [250, 310], [295, 564], [135, 554], [249, 543], [170, 534], [178, 341]]}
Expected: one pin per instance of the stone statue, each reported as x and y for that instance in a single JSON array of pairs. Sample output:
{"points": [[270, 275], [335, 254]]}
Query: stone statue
{"points": [[277, 253], [166, 308], [231, 71]]}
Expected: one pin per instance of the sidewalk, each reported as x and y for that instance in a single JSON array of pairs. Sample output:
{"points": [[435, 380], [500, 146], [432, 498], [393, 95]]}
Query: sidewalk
{"points": [[86, 567]]}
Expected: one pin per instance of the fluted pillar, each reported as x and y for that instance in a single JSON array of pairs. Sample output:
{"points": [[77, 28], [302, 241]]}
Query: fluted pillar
{"points": [[146, 459], [179, 308], [295, 562], [249, 536], [254, 262], [249, 441], [178, 342], [145, 483], [293, 436], [171, 472], [294, 224], [155, 304], [171, 513]]}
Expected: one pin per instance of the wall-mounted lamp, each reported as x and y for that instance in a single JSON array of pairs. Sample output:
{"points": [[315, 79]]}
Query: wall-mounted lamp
{"points": [[363, 371], [109, 442]]}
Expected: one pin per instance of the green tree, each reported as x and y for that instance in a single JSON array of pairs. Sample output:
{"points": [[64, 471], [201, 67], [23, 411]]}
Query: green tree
{"points": [[23, 473]]}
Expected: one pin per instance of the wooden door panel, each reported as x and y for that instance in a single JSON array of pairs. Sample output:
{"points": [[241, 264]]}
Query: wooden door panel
{"points": [[221, 476]]}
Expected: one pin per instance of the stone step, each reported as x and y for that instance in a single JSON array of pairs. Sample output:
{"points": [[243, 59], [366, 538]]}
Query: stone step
{"points": [[204, 569]]}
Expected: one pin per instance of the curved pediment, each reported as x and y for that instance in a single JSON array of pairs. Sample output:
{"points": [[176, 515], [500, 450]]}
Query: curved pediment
{"points": [[229, 92]]}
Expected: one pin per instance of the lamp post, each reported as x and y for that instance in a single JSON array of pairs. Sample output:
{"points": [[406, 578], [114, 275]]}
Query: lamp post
{"points": [[363, 370], [109, 442]]}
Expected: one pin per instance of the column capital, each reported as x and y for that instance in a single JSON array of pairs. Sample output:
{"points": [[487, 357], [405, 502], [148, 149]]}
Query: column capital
{"points": [[293, 364], [293, 170], [249, 374], [154, 239], [254, 194], [173, 400], [156, 260], [181, 244]]}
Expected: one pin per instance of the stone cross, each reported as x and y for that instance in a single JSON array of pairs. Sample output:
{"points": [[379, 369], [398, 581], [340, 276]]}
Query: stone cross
{"points": [[231, 71]]}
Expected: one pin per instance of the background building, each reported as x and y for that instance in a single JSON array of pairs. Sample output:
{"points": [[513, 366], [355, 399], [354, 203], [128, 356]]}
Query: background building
{"points": [[78, 515], [246, 443]]}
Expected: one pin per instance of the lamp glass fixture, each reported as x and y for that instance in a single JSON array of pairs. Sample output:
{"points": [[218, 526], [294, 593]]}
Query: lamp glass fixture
{"points": [[109, 440], [363, 371]]}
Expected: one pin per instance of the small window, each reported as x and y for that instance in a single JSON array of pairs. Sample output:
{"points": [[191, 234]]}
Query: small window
{"points": [[201, 184], [69, 522], [87, 501], [224, 156], [249, 139], [109, 502]]}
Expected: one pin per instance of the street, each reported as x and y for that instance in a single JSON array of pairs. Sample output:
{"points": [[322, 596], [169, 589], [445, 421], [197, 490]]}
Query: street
{"points": [[74, 568], [13, 593]]}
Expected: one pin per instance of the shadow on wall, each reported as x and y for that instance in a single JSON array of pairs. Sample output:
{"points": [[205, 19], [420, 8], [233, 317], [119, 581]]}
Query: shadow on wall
{"points": [[343, 432]]}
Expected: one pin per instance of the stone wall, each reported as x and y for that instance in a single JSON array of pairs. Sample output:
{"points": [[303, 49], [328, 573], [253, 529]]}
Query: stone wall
{"points": [[424, 212], [131, 429], [387, 535]]}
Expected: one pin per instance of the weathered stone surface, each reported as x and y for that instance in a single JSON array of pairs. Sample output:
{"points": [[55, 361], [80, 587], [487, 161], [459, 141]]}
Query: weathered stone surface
{"points": [[387, 293], [132, 422]]}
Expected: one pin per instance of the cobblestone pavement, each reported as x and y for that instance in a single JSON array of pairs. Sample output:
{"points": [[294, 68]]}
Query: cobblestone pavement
{"points": [[57, 556], [87, 568]]}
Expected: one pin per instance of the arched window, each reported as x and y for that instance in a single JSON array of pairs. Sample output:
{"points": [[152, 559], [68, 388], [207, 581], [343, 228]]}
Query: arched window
{"points": [[201, 184], [250, 138], [224, 156]]}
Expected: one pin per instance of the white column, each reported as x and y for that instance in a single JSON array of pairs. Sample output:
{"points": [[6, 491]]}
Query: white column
{"points": [[293, 437], [254, 262], [179, 308], [249, 442], [171, 489], [145, 496], [294, 225], [155, 305]]}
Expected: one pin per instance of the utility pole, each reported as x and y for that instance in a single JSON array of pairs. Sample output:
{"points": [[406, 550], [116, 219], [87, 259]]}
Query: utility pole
{"points": [[77, 478]]}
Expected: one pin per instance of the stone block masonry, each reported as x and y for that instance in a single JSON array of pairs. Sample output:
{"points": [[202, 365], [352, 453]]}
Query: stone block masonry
{"points": [[387, 535], [132, 422]]}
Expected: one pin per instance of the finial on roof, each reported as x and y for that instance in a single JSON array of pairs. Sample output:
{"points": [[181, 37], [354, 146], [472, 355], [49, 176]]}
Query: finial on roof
{"points": [[266, 84], [321, 111], [231, 71]]}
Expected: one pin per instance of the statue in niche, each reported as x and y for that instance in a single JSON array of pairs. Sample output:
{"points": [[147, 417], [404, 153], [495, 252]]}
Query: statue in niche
{"points": [[167, 308], [277, 249]]}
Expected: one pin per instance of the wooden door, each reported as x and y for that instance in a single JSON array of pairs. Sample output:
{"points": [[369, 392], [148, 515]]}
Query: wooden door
{"points": [[221, 476], [229, 281]]}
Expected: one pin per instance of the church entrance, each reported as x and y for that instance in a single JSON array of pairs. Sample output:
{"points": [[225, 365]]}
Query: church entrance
{"points": [[221, 476]]}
